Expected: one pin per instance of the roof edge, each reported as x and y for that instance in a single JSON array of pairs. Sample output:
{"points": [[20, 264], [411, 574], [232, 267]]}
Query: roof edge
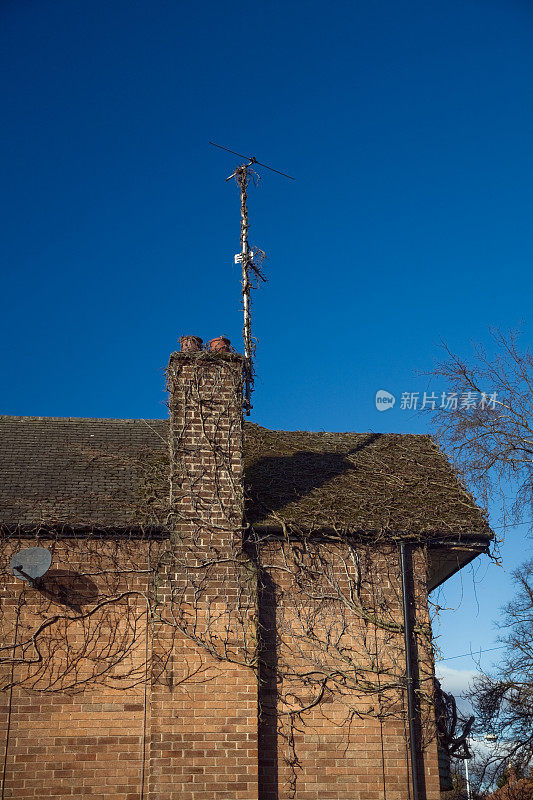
{"points": [[434, 538], [16, 418], [49, 530]]}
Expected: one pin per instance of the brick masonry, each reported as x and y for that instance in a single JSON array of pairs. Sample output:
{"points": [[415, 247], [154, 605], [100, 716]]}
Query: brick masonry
{"points": [[142, 688]]}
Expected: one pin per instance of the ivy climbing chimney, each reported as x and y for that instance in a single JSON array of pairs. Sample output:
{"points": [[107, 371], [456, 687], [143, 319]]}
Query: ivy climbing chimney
{"points": [[206, 442], [204, 688]]}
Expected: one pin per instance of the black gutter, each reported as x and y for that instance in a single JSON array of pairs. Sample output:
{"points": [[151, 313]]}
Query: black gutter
{"points": [[98, 531], [411, 704], [430, 540]]}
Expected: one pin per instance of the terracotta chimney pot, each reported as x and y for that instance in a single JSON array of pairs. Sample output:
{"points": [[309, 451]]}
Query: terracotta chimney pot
{"points": [[220, 345], [191, 344]]}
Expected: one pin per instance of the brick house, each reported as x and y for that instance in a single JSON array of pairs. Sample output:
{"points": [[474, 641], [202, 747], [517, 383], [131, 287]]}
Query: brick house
{"points": [[230, 610]]}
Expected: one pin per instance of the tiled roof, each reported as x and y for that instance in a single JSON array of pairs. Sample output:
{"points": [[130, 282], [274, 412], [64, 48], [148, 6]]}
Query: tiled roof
{"points": [[361, 481], [75, 471], [106, 473]]}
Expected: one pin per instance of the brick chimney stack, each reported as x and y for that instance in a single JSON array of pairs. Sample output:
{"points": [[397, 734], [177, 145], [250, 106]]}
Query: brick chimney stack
{"points": [[206, 441], [204, 689]]}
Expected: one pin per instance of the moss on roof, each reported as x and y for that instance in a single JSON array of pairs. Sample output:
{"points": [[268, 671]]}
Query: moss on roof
{"points": [[358, 481], [104, 473]]}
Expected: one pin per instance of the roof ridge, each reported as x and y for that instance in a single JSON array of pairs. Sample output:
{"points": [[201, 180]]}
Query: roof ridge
{"points": [[26, 418], [340, 433]]}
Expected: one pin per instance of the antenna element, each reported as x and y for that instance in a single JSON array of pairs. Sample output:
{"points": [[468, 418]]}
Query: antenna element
{"points": [[250, 264]]}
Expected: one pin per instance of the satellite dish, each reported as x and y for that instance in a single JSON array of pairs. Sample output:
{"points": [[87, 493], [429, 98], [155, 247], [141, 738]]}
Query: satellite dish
{"points": [[30, 564]]}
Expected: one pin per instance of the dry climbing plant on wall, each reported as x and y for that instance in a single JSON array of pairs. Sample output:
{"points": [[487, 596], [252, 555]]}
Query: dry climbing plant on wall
{"points": [[315, 615]]}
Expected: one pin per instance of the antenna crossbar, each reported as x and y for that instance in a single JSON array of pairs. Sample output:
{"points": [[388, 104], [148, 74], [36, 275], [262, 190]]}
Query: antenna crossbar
{"points": [[252, 160]]}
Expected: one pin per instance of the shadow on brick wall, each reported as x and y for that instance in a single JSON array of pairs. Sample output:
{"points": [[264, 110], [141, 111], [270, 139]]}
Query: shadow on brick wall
{"points": [[267, 690]]}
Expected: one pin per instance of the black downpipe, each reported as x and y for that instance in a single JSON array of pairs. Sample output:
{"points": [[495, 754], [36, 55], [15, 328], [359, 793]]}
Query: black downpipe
{"points": [[411, 704]]}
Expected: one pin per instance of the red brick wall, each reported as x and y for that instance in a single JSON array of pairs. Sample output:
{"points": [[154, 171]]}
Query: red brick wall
{"points": [[353, 744], [76, 708], [69, 738], [99, 709]]}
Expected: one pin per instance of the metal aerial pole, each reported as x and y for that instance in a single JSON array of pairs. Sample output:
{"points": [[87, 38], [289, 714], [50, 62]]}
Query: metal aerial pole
{"points": [[242, 175]]}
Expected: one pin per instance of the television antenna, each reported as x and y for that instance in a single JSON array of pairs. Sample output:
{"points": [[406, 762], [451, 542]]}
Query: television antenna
{"points": [[31, 564], [250, 262]]}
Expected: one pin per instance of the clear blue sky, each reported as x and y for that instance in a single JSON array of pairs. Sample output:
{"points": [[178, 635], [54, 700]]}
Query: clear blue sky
{"points": [[408, 126]]}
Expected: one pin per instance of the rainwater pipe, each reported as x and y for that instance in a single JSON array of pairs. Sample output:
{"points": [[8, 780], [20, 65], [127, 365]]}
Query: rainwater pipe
{"points": [[409, 679]]}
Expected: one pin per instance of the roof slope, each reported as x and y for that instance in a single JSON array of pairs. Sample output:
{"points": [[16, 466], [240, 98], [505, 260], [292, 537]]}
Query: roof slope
{"points": [[362, 481], [105, 473], [78, 472]]}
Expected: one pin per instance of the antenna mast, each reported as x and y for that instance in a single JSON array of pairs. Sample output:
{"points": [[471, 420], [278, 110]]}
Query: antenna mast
{"points": [[250, 265], [242, 175]]}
